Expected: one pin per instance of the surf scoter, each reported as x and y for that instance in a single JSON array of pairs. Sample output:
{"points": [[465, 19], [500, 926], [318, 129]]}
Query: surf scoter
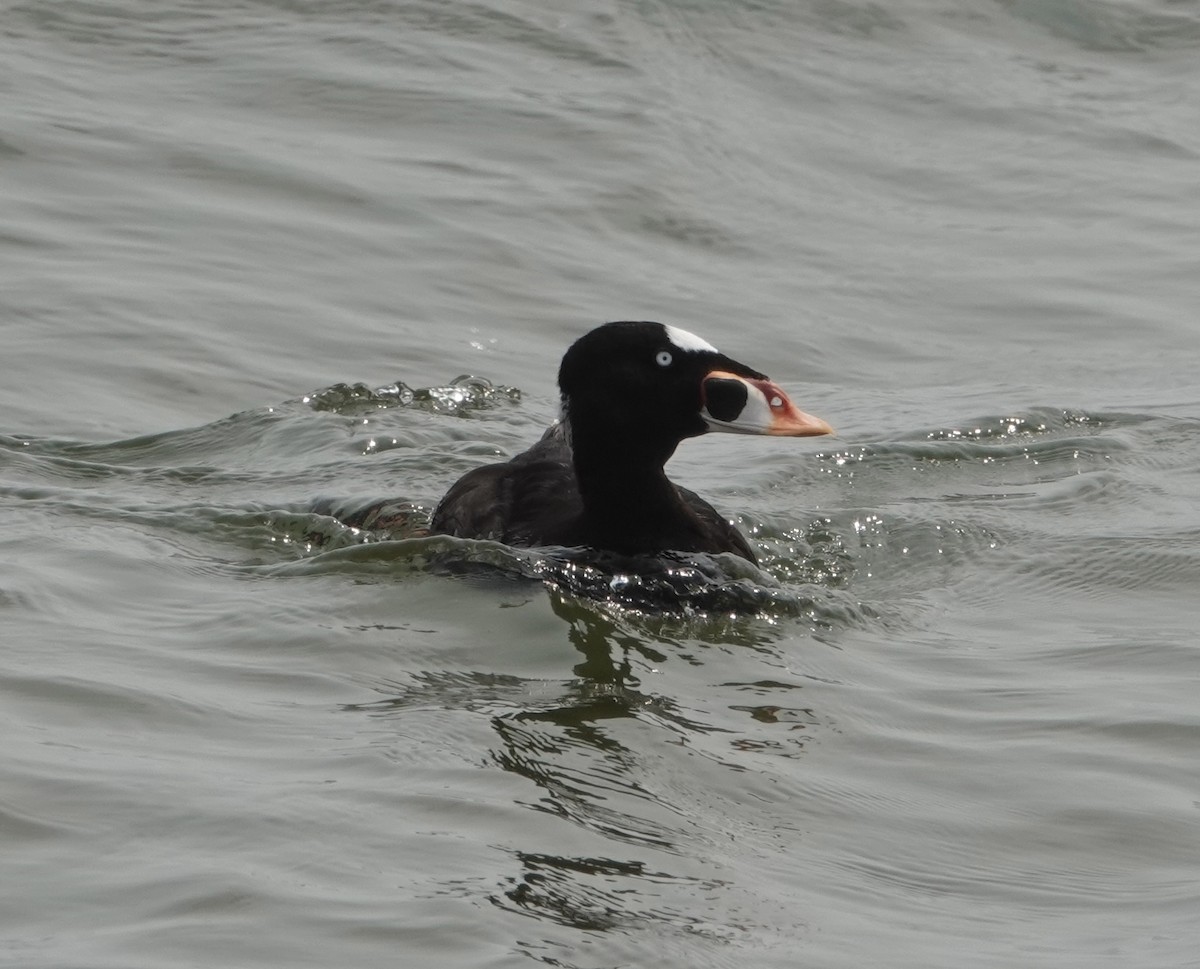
{"points": [[631, 391]]}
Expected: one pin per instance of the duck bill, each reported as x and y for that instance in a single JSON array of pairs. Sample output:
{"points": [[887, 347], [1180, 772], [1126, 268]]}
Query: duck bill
{"points": [[746, 405]]}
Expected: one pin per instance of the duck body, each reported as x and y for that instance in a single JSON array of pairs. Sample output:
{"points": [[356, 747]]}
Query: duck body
{"points": [[631, 392], [534, 500]]}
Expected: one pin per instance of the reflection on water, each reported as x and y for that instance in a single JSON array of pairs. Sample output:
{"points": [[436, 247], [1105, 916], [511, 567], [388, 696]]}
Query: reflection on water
{"points": [[590, 747], [589, 893]]}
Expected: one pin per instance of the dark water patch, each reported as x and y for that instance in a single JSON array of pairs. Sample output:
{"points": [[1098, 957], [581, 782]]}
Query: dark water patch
{"points": [[862, 19], [161, 32], [23, 826], [475, 691], [1157, 650], [527, 33], [1101, 566], [1107, 26], [8, 236], [605, 894], [16, 599]]}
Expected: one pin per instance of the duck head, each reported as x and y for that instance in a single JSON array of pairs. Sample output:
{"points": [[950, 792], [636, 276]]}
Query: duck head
{"points": [[638, 388]]}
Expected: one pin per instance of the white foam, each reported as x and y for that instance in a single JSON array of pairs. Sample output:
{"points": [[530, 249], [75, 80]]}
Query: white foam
{"points": [[688, 341]]}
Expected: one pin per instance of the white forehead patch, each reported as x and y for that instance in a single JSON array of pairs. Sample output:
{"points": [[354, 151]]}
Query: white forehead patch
{"points": [[688, 341]]}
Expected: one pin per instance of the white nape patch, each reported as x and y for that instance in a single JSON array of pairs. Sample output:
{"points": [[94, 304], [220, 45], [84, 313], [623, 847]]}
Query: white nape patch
{"points": [[688, 341]]}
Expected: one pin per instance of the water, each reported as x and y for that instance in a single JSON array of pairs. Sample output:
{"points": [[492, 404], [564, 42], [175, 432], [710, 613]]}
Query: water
{"points": [[951, 721]]}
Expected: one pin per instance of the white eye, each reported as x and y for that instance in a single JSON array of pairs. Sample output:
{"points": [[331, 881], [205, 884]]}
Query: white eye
{"points": [[663, 358]]}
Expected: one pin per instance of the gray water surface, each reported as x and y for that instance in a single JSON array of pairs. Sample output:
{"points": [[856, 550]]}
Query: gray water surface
{"points": [[952, 721]]}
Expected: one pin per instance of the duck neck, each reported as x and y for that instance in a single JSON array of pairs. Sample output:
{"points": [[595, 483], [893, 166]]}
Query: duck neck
{"points": [[625, 492]]}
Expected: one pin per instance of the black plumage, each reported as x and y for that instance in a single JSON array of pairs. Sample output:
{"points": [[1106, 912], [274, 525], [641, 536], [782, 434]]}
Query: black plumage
{"points": [[631, 391]]}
